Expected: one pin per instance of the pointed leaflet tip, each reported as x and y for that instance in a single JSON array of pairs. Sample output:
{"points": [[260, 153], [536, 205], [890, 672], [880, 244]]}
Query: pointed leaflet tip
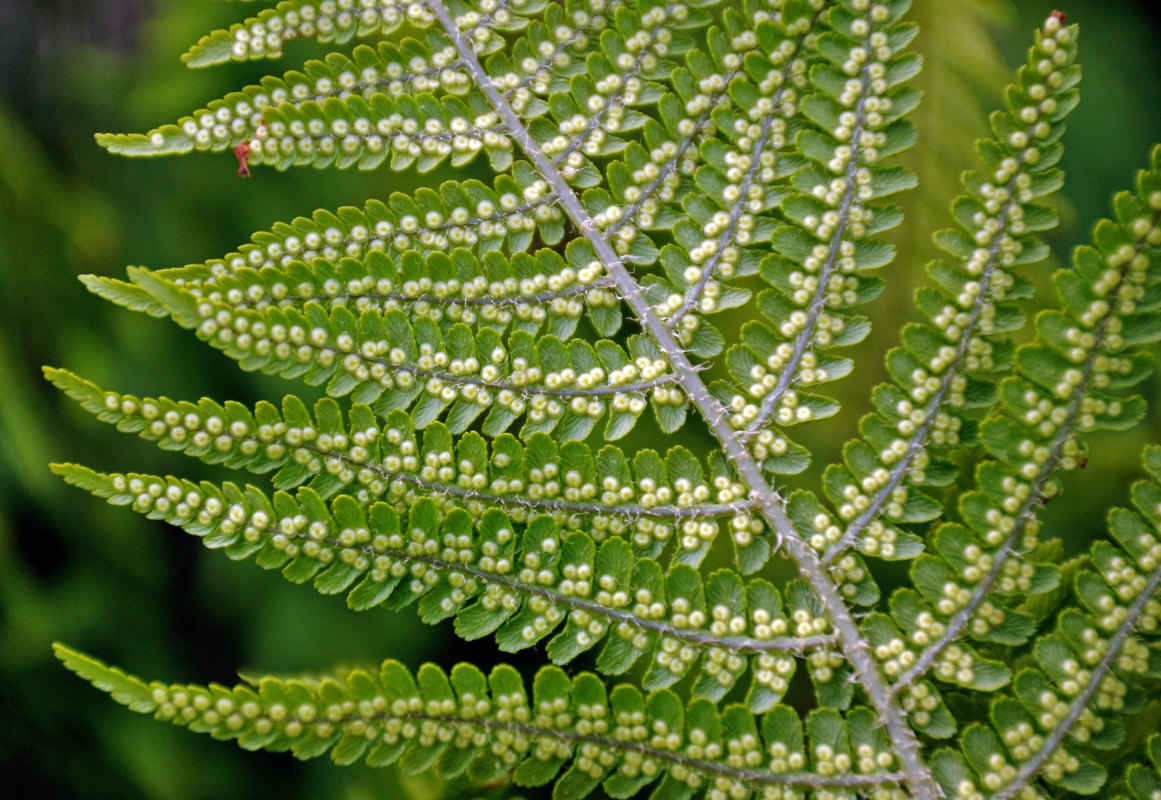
{"points": [[125, 689], [213, 48], [166, 140], [124, 294], [74, 386], [180, 305], [96, 483]]}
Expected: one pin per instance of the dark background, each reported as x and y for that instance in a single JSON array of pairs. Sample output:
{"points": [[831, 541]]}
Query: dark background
{"points": [[150, 599]]}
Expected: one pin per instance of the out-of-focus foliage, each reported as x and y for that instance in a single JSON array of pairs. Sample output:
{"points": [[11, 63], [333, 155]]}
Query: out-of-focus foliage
{"points": [[71, 569], [74, 569]]}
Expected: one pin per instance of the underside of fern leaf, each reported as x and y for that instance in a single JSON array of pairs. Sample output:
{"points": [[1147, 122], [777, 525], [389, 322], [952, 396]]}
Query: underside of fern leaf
{"points": [[493, 352]]}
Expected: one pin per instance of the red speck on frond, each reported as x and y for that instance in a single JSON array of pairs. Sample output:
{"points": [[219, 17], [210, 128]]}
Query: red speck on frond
{"points": [[242, 153]]}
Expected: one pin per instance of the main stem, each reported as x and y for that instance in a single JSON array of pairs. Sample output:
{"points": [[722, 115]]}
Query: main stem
{"points": [[854, 646]]}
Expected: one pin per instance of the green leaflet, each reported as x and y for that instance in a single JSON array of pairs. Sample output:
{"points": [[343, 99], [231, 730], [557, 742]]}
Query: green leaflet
{"points": [[494, 575], [818, 269], [535, 293], [263, 35], [408, 71], [369, 714], [944, 372], [369, 457], [1057, 393], [1142, 779], [1087, 673], [457, 214], [387, 358], [342, 133]]}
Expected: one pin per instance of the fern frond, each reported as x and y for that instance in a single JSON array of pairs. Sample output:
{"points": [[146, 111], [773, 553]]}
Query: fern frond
{"points": [[459, 214], [540, 293], [1092, 674], [822, 254], [534, 293], [664, 162], [491, 576], [944, 373], [661, 189], [488, 725], [1058, 393], [293, 119], [406, 361], [357, 110], [373, 458], [350, 133], [263, 35], [712, 410]]}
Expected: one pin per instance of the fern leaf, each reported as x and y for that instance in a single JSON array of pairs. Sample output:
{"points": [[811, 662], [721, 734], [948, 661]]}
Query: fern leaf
{"points": [[1091, 674], [944, 373], [367, 456], [667, 162], [1056, 395], [481, 570], [412, 364], [459, 214], [535, 293], [263, 35], [489, 725], [821, 256]]}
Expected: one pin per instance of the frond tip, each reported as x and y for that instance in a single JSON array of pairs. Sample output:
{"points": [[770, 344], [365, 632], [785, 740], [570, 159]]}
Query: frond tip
{"points": [[944, 373], [125, 689]]}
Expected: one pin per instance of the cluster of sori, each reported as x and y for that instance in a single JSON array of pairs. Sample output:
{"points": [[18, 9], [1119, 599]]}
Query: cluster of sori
{"points": [[1084, 677], [576, 91], [413, 102], [653, 501], [1070, 702], [537, 293], [700, 158], [459, 215], [941, 374], [518, 575], [405, 358], [464, 718], [977, 573], [264, 35], [856, 64]]}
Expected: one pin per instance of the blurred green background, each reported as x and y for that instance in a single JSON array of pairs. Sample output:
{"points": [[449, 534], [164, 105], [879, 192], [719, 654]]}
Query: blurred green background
{"points": [[153, 600]]}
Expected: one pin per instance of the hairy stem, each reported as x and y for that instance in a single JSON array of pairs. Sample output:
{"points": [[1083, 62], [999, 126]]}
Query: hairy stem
{"points": [[854, 645]]}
